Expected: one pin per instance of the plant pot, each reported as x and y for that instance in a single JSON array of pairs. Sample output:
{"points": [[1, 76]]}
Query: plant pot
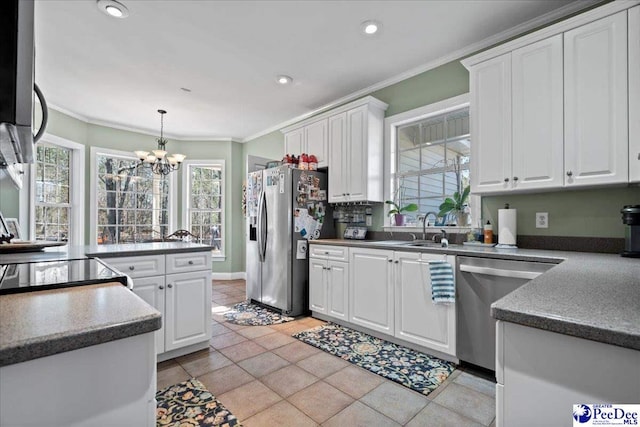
{"points": [[399, 219], [462, 219]]}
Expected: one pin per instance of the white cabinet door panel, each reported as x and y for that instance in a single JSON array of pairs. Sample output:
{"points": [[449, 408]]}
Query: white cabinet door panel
{"points": [[151, 290], [338, 289], [317, 285], [596, 121], [188, 313], [491, 125], [634, 94], [294, 142], [371, 289], [337, 156], [538, 133], [356, 170], [317, 141]]}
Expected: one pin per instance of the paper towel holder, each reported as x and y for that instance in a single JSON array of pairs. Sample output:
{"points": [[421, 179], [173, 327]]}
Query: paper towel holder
{"points": [[511, 243]]}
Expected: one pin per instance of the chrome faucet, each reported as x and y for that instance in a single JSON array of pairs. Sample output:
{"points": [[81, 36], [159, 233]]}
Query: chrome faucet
{"points": [[424, 223], [444, 242]]}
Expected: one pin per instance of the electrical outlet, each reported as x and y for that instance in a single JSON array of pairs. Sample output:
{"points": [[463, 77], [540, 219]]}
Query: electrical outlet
{"points": [[542, 220]]}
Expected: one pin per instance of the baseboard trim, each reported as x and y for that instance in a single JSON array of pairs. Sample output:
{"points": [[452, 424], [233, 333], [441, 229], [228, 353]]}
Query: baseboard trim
{"points": [[229, 276]]}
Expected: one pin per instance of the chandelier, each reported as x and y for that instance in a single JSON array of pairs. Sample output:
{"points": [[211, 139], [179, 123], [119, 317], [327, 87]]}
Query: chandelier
{"points": [[160, 162]]}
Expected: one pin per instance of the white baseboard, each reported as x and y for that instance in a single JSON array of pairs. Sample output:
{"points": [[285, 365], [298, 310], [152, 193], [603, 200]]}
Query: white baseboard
{"points": [[229, 276]]}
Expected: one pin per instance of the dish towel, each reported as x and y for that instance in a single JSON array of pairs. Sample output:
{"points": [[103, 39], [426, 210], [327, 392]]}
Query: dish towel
{"points": [[442, 284]]}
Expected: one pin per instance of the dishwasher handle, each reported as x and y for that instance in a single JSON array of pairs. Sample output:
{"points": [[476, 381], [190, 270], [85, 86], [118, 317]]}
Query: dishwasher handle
{"points": [[517, 274]]}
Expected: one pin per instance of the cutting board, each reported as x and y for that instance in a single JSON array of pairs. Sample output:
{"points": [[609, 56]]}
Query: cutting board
{"points": [[28, 246]]}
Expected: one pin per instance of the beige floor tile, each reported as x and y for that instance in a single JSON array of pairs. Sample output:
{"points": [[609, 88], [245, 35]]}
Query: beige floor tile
{"points": [[281, 326], [170, 376], [478, 384], [320, 401], [275, 340], [294, 328], [296, 351], [313, 322], [444, 384], [225, 379], [395, 401], [282, 413], [204, 361], [226, 340], [228, 301], [166, 364], [219, 329], [322, 364], [288, 380], [263, 364], [249, 399], [468, 402], [244, 350], [354, 381], [235, 327], [359, 415], [434, 415], [255, 331]]}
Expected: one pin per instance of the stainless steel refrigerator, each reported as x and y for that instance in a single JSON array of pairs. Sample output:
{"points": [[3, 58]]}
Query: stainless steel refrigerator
{"points": [[286, 207]]}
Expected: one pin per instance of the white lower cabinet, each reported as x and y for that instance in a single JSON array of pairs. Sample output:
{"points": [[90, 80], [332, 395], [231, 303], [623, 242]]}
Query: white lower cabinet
{"points": [[183, 298], [371, 289], [329, 283], [417, 318]]}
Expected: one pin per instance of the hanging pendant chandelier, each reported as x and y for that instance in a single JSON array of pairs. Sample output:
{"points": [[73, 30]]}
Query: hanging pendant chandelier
{"points": [[160, 162]]}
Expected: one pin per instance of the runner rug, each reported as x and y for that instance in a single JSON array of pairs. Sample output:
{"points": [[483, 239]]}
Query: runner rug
{"points": [[417, 371], [188, 404], [248, 314]]}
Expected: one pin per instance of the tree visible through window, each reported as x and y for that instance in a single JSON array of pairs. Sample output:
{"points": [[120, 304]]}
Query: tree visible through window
{"points": [[205, 204], [132, 203], [52, 198]]}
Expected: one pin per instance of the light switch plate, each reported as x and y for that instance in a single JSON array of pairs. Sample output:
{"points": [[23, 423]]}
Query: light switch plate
{"points": [[542, 219]]}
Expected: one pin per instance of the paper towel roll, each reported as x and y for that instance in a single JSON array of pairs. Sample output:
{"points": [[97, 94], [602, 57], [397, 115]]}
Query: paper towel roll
{"points": [[507, 223]]}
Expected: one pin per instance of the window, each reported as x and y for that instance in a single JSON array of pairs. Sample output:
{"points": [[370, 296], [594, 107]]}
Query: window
{"points": [[204, 213], [429, 155], [132, 204], [54, 196]]}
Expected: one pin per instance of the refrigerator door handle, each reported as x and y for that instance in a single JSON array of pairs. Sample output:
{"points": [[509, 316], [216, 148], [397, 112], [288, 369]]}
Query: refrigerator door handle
{"points": [[262, 227]]}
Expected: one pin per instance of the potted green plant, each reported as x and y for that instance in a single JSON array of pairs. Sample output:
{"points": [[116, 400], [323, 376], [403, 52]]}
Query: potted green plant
{"points": [[457, 206], [397, 211]]}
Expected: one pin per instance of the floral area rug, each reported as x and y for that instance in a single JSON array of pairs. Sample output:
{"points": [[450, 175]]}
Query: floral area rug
{"points": [[188, 404], [412, 369], [248, 314]]}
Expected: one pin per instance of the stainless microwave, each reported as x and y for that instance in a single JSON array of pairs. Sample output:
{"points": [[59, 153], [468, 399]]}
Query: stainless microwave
{"points": [[16, 83]]}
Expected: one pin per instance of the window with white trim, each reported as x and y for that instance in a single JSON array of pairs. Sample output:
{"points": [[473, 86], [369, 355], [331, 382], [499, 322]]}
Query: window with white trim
{"points": [[204, 204], [132, 202], [53, 187]]}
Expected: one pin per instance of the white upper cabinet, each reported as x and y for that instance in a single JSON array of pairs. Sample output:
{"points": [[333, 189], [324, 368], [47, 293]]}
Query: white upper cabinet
{"points": [[634, 94], [537, 150], [491, 125], [310, 139], [337, 155], [596, 122]]}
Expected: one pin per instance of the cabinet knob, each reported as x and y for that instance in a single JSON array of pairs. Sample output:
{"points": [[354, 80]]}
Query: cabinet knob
{"points": [[390, 260], [506, 180], [131, 267], [326, 253], [190, 262], [397, 262], [569, 173], [160, 287], [169, 285], [515, 178], [344, 194]]}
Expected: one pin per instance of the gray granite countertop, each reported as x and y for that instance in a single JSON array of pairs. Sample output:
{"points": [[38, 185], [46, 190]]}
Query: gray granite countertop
{"points": [[588, 295], [43, 323]]}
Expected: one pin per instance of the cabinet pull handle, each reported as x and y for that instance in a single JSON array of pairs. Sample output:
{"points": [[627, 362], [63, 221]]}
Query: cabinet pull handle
{"points": [[131, 267], [569, 173], [515, 178], [190, 262], [169, 285], [160, 287], [506, 180]]}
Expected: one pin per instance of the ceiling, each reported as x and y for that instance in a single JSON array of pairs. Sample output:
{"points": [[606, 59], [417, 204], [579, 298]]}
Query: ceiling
{"points": [[118, 72]]}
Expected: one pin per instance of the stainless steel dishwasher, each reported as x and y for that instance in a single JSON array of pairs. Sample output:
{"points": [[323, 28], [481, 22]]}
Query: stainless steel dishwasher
{"points": [[480, 282]]}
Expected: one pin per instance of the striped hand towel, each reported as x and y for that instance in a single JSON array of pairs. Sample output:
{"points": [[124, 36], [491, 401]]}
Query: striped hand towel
{"points": [[442, 283]]}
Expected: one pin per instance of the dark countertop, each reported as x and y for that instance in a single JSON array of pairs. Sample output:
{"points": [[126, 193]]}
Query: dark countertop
{"points": [[43, 323], [588, 295]]}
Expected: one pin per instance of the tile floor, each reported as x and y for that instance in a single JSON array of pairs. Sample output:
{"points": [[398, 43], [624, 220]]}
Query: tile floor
{"points": [[266, 378]]}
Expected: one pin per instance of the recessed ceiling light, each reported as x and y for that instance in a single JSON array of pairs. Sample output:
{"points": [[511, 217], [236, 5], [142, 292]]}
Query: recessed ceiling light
{"points": [[113, 8], [284, 80], [370, 27]]}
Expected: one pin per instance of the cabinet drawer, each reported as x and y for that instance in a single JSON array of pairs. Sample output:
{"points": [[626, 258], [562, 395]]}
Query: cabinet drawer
{"points": [[340, 253], [189, 261], [138, 266]]}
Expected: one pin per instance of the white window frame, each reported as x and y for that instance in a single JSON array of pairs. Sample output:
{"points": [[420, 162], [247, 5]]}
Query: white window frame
{"points": [[186, 200], [391, 125], [93, 220], [76, 196]]}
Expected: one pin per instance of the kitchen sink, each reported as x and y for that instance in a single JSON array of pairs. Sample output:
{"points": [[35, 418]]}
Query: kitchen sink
{"points": [[424, 243]]}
